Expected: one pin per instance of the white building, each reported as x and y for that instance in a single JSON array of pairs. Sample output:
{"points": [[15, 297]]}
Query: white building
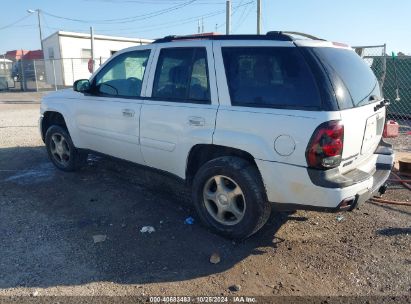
{"points": [[67, 54]]}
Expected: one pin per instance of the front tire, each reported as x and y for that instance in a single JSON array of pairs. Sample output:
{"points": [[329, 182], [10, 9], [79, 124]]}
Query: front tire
{"points": [[61, 150], [230, 198]]}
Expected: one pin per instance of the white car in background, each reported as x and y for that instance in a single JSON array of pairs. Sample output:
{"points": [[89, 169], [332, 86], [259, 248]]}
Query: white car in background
{"points": [[246, 120]]}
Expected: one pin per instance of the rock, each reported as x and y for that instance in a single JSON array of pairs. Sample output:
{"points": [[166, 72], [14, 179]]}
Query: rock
{"points": [[235, 287], [147, 229], [99, 238], [215, 258], [35, 293]]}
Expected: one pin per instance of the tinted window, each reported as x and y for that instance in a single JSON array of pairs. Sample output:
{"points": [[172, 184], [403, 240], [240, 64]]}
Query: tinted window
{"points": [[123, 75], [181, 74], [269, 77], [353, 72]]}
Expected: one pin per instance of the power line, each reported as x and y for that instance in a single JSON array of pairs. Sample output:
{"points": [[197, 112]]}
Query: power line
{"points": [[239, 18], [126, 19], [246, 16], [158, 2], [15, 22], [235, 9], [159, 26]]}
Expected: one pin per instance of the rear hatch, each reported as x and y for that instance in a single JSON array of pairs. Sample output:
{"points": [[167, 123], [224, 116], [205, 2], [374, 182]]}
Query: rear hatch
{"points": [[359, 99]]}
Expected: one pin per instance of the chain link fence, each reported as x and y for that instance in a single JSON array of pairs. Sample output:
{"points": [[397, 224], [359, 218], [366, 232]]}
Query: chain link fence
{"points": [[394, 76], [48, 74]]}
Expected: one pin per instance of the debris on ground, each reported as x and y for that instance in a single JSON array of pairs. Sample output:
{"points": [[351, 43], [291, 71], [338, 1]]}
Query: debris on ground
{"points": [[235, 287], [147, 229], [189, 221], [35, 293], [339, 218], [99, 238], [215, 258]]}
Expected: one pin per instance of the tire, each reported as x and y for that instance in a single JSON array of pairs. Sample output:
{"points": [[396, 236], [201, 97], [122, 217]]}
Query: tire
{"points": [[214, 203], [65, 157]]}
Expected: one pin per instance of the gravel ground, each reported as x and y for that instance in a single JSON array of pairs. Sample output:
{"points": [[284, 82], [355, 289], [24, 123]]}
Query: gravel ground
{"points": [[48, 219]]}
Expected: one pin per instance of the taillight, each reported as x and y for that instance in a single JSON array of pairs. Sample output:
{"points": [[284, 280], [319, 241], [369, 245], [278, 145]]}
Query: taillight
{"points": [[325, 148]]}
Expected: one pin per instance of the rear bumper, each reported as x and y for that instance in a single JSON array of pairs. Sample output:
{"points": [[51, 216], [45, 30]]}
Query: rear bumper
{"points": [[292, 188]]}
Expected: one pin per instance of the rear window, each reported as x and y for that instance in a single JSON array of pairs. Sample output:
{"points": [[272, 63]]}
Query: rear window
{"points": [[354, 73], [276, 77]]}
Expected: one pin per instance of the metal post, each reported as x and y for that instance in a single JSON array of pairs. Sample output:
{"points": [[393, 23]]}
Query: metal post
{"points": [[54, 74], [202, 25], [198, 27], [72, 69], [384, 67], [228, 18], [22, 81], [35, 75], [258, 17], [92, 46]]}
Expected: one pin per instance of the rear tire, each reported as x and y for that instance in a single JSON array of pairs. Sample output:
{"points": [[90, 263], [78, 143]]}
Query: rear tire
{"points": [[61, 150], [230, 197]]}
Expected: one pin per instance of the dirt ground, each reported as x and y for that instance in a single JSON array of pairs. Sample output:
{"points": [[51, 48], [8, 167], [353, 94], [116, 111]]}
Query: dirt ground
{"points": [[48, 219]]}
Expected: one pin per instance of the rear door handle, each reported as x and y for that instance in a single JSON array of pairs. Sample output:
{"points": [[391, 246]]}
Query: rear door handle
{"points": [[196, 121], [128, 112]]}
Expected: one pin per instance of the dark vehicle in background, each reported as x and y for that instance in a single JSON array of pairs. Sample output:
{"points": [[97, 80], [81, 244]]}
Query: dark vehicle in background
{"points": [[30, 73]]}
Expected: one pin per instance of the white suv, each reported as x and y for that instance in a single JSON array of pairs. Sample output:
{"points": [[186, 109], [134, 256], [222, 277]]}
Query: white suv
{"points": [[248, 121]]}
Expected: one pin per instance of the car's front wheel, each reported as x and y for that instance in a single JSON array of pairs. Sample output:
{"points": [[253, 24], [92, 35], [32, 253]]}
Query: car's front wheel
{"points": [[61, 150], [230, 198]]}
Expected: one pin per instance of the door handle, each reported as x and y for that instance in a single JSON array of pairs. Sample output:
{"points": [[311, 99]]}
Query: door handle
{"points": [[196, 121], [128, 112]]}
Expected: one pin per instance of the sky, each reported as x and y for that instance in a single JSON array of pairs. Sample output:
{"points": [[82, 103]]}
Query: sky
{"points": [[355, 22]]}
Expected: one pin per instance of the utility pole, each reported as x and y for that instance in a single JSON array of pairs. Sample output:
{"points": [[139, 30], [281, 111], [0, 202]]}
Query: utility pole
{"points": [[202, 25], [228, 18], [258, 17], [39, 24], [198, 27], [92, 46]]}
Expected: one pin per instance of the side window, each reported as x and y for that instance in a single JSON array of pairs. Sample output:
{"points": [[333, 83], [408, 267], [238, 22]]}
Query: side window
{"points": [[182, 75], [123, 75], [269, 77]]}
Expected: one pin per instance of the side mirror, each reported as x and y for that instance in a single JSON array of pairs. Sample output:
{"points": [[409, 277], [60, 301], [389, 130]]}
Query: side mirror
{"points": [[81, 85]]}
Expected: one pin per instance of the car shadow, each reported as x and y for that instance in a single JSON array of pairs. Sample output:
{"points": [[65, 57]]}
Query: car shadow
{"points": [[394, 231], [48, 219]]}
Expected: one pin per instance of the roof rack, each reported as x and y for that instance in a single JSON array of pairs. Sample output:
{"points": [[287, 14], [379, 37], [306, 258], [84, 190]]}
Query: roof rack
{"points": [[272, 35], [289, 33]]}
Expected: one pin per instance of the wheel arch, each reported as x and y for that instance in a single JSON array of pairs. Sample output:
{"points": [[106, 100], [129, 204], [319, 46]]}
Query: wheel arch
{"points": [[50, 118], [202, 153]]}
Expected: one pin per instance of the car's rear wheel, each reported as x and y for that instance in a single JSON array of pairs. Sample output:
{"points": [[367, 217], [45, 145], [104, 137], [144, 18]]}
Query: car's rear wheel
{"points": [[229, 197], [61, 149]]}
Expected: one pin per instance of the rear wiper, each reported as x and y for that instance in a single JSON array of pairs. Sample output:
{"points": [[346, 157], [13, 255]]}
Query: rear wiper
{"points": [[383, 103]]}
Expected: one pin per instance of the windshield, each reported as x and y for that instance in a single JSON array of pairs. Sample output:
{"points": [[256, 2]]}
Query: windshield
{"points": [[352, 72]]}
